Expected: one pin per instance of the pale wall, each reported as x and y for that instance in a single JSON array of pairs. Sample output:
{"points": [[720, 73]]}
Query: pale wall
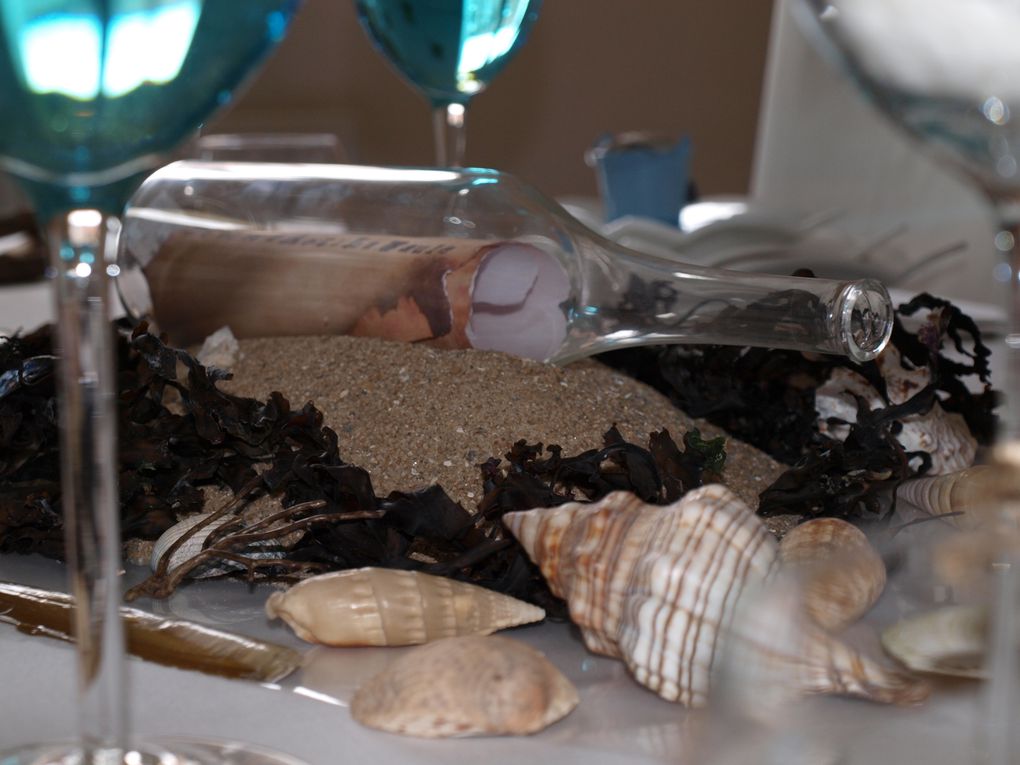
{"points": [[675, 66]]}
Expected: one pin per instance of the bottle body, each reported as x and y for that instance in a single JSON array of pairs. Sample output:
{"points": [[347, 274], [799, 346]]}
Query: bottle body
{"points": [[468, 258]]}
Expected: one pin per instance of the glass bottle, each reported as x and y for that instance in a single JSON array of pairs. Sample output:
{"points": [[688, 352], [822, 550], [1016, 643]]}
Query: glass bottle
{"points": [[460, 258]]}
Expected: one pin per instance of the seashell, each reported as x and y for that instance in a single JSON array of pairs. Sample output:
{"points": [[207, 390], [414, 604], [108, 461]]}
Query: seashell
{"points": [[835, 399], [946, 641], [962, 491], [195, 542], [466, 686], [380, 606], [775, 654], [844, 574], [658, 587], [944, 435], [901, 384]]}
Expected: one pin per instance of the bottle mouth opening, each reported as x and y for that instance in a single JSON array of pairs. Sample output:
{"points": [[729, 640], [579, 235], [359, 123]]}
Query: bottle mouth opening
{"points": [[867, 319]]}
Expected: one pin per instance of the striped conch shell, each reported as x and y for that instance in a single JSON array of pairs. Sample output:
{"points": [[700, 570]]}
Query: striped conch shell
{"points": [[843, 573], [964, 492], [380, 606], [466, 686], [659, 586]]}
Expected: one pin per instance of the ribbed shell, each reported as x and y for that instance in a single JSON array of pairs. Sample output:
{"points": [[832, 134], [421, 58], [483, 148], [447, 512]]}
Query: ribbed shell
{"points": [[466, 686], [195, 541], [651, 585], [658, 587], [963, 491], [844, 574], [379, 606]]}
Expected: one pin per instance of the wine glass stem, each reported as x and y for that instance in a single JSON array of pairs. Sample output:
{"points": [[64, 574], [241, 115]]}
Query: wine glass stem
{"points": [[1007, 242], [88, 476], [448, 129]]}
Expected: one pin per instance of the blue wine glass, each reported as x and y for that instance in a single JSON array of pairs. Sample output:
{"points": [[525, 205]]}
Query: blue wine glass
{"points": [[93, 93], [449, 50]]}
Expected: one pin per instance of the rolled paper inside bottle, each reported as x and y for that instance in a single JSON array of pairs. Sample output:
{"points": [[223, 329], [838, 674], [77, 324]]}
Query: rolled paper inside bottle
{"points": [[449, 292]]}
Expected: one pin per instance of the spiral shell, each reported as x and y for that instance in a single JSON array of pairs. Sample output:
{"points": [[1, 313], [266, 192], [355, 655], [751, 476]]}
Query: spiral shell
{"points": [[659, 586], [194, 543], [962, 492], [466, 686], [379, 606], [844, 574]]}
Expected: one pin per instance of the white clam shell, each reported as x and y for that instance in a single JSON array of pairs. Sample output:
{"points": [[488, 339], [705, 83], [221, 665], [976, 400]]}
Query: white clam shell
{"points": [[659, 586], [466, 686], [379, 606], [946, 641]]}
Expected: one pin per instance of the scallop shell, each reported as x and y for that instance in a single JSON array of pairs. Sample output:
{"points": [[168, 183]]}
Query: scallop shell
{"points": [[658, 587], [466, 686], [962, 491], [195, 542], [946, 641], [944, 435], [379, 606], [844, 573]]}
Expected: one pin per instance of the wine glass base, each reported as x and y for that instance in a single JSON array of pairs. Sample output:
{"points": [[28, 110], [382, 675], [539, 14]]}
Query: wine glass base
{"points": [[157, 751]]}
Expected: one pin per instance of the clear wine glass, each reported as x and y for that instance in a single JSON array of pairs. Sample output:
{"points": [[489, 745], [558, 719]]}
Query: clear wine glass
{"points": [[449, 50], [948, 73], [93, 93]]}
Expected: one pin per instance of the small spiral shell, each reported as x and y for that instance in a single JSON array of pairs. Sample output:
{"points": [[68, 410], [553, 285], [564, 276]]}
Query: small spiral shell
{"points": [[380, 606], [195, 542], [958, 495]]}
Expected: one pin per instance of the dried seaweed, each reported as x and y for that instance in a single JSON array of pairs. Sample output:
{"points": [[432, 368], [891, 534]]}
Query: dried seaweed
{"points": [[766, 398], [179, 433]]}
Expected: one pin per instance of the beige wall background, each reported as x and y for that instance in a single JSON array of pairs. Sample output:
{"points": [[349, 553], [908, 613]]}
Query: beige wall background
{"points": [[670, 66]]}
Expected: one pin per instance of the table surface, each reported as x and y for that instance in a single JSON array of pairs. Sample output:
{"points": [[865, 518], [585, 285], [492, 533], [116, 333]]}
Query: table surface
{"points": [[306, 715]]}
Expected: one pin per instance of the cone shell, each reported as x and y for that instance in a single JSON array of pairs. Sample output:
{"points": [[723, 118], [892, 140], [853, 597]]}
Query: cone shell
{"points": [[843, 573], [963, 491], [659, 586], [379, 606], [466, 686]]}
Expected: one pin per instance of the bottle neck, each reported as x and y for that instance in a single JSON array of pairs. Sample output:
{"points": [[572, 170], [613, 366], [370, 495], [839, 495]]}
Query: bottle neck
{"points": [[630, 298]]}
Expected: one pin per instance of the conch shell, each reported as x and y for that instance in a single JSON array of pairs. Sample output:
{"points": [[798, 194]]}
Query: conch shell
{"points": [[380, 606], [658, 587], [843, 573], [466, 686]]}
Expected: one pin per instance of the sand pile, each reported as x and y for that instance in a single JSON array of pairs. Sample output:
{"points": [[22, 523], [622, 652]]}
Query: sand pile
{"points": [[413, 416]]}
